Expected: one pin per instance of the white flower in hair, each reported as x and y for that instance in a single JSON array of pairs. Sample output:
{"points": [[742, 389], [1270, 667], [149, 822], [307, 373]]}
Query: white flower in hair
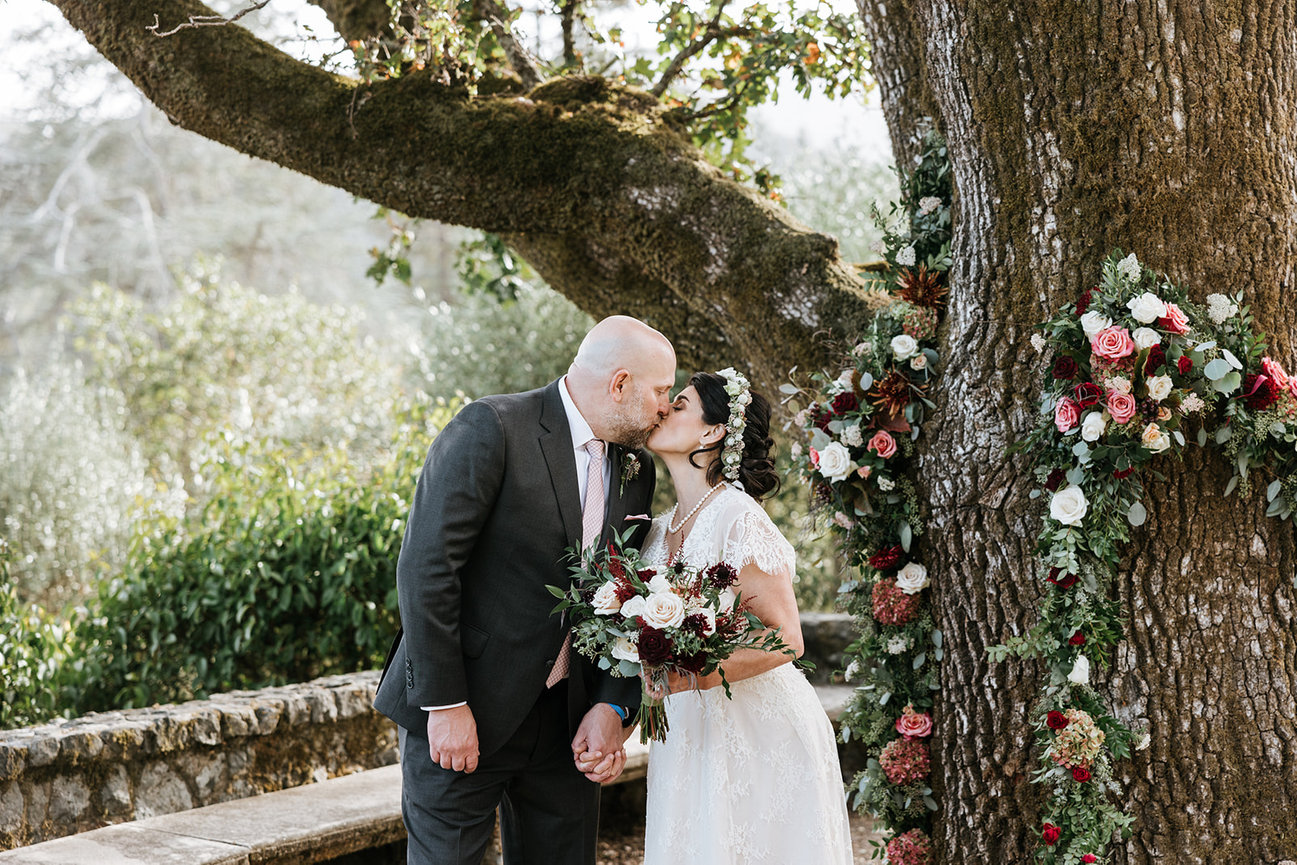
{"points": [[737, 388]]}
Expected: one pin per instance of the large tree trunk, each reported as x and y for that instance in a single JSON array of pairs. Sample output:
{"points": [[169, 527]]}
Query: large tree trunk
{"points": [[1166, 129]]}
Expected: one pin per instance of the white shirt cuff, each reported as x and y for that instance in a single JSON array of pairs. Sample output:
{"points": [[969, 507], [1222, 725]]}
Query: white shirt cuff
{"points": [[439, 708]]}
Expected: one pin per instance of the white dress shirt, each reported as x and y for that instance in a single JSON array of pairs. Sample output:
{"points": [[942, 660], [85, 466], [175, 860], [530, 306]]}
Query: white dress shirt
{"points": [[581, 433]]}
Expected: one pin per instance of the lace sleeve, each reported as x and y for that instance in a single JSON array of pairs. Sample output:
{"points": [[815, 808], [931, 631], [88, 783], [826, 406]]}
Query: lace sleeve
{"points": [[753, 539]]}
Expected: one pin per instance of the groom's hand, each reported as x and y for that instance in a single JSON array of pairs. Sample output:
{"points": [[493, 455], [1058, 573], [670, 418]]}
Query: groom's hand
{"points": [[597, 747], [452, 738]]}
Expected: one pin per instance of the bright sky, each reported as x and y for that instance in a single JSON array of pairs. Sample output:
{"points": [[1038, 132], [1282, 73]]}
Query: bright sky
{"points": [[60, 58]]}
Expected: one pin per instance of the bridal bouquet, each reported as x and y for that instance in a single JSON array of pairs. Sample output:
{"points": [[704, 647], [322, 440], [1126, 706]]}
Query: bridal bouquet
{"points": [[634, 620]]}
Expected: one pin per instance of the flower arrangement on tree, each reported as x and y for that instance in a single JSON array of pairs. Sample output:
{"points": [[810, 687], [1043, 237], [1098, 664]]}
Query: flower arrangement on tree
{"points": [[633, 620], [1136, 370], [856, 429]]}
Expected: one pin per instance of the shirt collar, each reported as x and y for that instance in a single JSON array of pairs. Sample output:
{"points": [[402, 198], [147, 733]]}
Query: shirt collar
{"points": [[581, 432]]}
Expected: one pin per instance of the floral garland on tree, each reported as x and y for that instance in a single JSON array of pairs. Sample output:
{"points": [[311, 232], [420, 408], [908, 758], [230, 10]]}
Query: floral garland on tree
{"points": [[858, 429], [1138, 370]]}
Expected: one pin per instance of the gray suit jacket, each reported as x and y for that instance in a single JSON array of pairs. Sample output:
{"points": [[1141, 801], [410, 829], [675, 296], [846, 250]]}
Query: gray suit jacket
{"points": [[495, 508]]}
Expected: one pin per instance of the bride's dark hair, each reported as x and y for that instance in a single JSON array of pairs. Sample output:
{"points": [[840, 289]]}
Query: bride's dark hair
{"points": [[757, 467]]}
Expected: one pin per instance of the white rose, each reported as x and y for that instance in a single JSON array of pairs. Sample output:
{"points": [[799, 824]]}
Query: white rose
{"points": [[1069, 506], [606, 601], [904, 346], [1159, 387], [1093, 322], [1147, 308], [664, 610], [1093, 426], [912, 579], [1145, 337], [659, 583], [633, 607], [835, 461], [726, 600], [625, 650], [1080, 674], [1155, 439]]}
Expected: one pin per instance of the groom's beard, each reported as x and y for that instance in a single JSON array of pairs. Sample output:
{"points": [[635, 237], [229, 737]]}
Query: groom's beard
{"points": [[626, 430]]}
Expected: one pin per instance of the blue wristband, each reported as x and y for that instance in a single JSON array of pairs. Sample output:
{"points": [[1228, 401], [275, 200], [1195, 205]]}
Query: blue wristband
{"points": [[622, 711]]}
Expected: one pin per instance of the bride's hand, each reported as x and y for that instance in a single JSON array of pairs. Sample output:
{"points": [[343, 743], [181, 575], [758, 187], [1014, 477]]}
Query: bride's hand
{"points": [[655, 688], [679, 683]]}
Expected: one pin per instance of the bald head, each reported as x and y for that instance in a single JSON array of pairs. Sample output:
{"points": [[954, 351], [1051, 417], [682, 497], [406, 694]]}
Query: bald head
{"points": [[621, 379]]}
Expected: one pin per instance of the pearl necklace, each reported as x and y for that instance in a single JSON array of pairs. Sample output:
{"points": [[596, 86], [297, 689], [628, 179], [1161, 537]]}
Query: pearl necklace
{"points": [[673, 529]]}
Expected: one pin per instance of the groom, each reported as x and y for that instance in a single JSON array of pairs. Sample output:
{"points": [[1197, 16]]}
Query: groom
{"points": [[492, 705]]}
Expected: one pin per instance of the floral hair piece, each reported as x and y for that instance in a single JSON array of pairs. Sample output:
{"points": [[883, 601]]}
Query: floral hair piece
{"points": [[738, 389]]}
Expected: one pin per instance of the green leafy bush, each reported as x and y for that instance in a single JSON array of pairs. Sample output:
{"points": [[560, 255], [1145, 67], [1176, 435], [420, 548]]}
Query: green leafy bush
{"points": [[35, 649], [285, 573]]}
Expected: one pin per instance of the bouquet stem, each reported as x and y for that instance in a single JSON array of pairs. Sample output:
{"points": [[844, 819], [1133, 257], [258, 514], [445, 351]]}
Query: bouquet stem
{"points": [[652, 715]]}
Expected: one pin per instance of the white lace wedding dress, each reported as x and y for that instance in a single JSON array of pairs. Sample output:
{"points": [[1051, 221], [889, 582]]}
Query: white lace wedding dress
{"points": [[754, 779]]}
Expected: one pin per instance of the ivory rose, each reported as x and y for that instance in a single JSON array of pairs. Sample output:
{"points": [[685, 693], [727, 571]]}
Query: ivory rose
{"points": [[1093, 426], [1146, 308], [1145, 337], [1067, 414], [1159, 387], [1155, 439], [634, 606], [1093, 322], [1121, 406], [835, 461], [606, 601], [912, 579], [1080, 674], [882, 444], [664, 610], [904, 346], [625, 650], [1112, 343], [1069, 505]]}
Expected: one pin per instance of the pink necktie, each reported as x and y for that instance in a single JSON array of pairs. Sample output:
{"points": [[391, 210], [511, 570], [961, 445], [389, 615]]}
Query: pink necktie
{"points": [[591, 529]]}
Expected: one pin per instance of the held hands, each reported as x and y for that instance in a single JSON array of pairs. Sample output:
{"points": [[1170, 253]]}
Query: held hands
{"points": [[452, 739], [598, 748]]}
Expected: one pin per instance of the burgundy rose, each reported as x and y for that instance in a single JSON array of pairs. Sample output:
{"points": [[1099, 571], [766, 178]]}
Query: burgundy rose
{"points": [[1122, 474], [1055, 480], [1063, 582], [1056, 720], [1050, 834], [1088, 393], [1080, 774], [1065, 368], [845, 402], [1261, 391], [1184, 364], [1156, 357], [1083, 302], [1089, 858], [654, 646], [721, 575], [886, 558], [1078, 639]]}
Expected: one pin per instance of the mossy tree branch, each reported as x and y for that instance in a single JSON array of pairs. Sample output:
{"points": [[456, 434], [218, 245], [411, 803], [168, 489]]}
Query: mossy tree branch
{"points": [[591, 182]]}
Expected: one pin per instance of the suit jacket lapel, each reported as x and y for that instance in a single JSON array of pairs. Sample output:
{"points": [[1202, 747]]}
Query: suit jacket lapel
{"points": [[556, 446], [615, 514]]}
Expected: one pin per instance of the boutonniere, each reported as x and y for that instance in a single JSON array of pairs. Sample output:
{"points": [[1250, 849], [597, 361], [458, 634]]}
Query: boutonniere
{"points": [[629, 470]]}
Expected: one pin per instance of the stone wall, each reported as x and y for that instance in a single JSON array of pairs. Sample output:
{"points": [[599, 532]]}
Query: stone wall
{"points": [[71, 776]]}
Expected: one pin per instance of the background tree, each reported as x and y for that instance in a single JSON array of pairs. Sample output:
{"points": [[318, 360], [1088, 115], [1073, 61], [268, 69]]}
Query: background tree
{"points": [[1163, 128]]}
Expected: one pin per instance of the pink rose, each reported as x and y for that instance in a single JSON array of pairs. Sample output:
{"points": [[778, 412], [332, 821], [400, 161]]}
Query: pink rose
{"points": [[1275, 370], [1174, 321], [815, 458], [864, 471], [1067, 414], [1112, 343], [1121, 406], [914, 725], [882, 444]]}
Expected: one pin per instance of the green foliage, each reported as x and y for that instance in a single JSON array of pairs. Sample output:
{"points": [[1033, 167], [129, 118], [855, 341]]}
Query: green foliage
{"points": [[287, 572], [34, 654], [218, 354], [480, 346], [70, 482]]}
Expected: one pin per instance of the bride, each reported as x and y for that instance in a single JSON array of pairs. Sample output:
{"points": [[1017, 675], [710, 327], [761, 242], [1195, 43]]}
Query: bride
{"points": [[754, 779]]}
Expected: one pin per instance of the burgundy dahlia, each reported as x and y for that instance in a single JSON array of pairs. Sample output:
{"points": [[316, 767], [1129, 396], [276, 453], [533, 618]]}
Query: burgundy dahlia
{"points": [[1078, 639], [1121, 474]]}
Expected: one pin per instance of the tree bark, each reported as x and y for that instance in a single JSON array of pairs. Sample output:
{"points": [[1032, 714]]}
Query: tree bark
{"points": [[1166, 129], [896, 51], [616, 207]]}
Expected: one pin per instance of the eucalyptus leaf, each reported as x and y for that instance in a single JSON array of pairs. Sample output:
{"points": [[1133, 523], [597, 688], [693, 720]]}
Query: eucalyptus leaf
{"points": [[1228, 384], [1137, 514], [1075, 475], [920, 659], [907, 536], [1179, 437], [1273, 490], [1205, 346], [1233, 361], [789, 389], [1081, 449], [866, 381], [1216, 370], [1223, 434], [1202, 436], [1229, 487]]}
